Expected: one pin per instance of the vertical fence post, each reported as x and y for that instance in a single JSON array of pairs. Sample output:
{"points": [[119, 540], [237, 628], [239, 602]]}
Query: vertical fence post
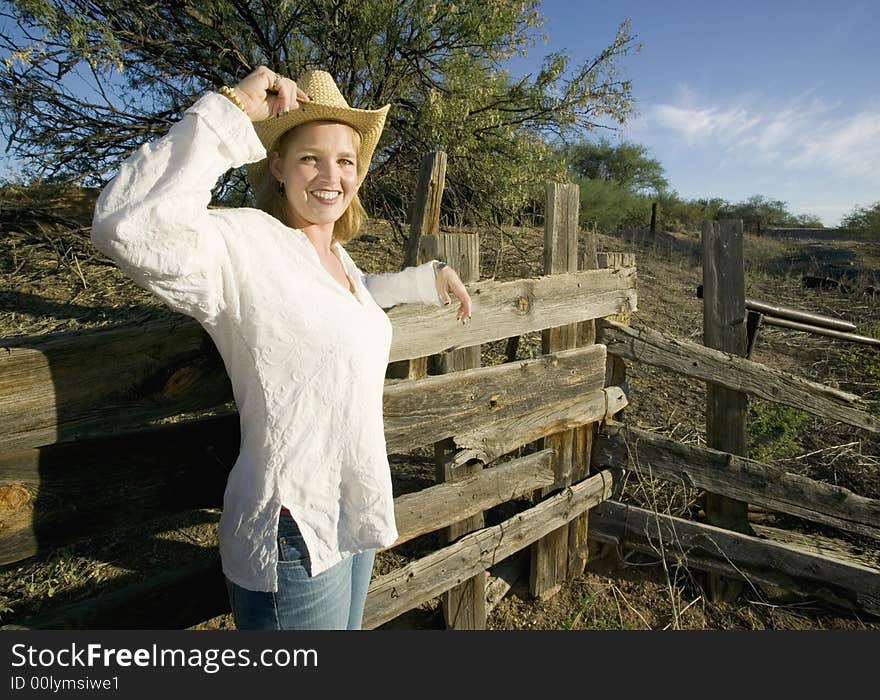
{"points": [[549, 564], [425, 219], [615, 366], [724, 328], [464, 606], [582, 445], [422, 244], [653, 218]]}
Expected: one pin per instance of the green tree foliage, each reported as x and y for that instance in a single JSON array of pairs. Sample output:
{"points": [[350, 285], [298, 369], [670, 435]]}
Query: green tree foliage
{"points": [[438, 63], [864, 220], [628, 164], [609, 206]]}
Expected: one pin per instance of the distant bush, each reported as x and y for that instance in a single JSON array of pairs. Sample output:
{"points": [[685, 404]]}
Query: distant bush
{"points": [[610, 206], [863, 220]]}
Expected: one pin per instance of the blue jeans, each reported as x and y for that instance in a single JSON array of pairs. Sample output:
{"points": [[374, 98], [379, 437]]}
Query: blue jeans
{"points": [[332, 600]]}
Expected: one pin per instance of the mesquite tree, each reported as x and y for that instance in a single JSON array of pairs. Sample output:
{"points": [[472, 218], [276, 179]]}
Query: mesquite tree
{"points": [[86, 82]]}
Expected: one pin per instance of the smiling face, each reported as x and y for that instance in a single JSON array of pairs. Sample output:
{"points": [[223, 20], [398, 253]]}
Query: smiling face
{"points": [[319, 171]]}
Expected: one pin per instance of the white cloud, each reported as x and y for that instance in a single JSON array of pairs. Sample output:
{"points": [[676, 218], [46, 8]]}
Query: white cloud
{"points": [[797, 135], [703, 125], [850, 147]]}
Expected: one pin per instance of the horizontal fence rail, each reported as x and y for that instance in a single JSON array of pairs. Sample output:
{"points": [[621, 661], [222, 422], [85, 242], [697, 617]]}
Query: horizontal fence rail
{"points": [[417, 513], [723, 369], [421, 580], [62, 492], [737, 477], [69, 386], [737, 556]]}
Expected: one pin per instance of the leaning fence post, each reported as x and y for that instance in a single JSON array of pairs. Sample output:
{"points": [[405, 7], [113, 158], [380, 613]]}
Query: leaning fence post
{"points": [[550, 554], [724, 328], [464, 606], [422, 244]]}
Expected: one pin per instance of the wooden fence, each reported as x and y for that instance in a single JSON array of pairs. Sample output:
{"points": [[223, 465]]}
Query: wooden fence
{"points": [[735, 552], [86, 449], [83, 452]]}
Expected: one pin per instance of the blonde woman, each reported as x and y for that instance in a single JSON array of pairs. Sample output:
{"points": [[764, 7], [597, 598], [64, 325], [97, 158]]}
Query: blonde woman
{"points": [[300, 328]]}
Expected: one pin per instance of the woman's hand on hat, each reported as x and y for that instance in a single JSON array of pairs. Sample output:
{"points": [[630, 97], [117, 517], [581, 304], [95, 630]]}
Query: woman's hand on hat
{"points": [[448, 282], [264, 94]]}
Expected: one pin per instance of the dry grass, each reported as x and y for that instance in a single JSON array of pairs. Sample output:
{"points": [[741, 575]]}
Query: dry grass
{"points": [[53, 280]]}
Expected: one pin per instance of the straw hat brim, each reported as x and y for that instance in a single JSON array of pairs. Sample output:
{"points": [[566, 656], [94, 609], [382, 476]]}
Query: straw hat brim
{"points": [[367, 122]]}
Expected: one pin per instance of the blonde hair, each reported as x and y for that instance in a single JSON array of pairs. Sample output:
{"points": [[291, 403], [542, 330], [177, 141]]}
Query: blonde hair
{"points": [[273, 202]]}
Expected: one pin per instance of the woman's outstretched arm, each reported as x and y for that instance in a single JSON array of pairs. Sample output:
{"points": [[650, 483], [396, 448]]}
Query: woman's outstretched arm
{"points": [[423, 284]]}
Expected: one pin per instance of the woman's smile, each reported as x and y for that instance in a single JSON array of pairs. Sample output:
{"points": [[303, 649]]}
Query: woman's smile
{"points": [[327, 196]]}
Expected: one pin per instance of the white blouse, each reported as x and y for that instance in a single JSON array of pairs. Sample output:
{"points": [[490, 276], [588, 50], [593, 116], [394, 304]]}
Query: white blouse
{"points": [[306, 357]]}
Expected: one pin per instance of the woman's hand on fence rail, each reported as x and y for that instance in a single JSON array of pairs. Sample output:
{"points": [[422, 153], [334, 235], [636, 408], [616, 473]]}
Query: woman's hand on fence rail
{"points": [[448, 282], [264, 93]]}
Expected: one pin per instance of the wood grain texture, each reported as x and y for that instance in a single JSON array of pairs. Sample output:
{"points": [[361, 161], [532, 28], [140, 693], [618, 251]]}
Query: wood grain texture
{"points": [[505, 309], [51, 496], [429, 410], [549, 556], [68, 386], [425, 218], [737, 477], [737, 373], [737, 556], [464, 606], [438, 506], [396, 592], [724, 328]]}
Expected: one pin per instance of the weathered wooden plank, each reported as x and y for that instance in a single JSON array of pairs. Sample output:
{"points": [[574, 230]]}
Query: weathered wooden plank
{"points": [[503, 436], [425, 218], [53, 495], [737, 373], [741, 478], [549, 565], [464, 606], [429, 410], [395, 593], [57, 388], [438, 506], [738, 556], [421, 244], [66, 386], [462, 252], [582, 437], [824, 546], [724, 312], [505, 309], [504, 576]]}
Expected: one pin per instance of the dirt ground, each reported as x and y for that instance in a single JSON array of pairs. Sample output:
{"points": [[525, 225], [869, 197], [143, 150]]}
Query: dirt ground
{"points": [[52, 280]]}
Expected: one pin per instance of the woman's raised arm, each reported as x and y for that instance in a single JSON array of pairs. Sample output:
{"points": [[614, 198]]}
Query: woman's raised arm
{"points": [[153, 220]]}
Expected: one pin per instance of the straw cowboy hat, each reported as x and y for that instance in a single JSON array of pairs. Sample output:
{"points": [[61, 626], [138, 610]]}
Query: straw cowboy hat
{"points": [[327, 103]]}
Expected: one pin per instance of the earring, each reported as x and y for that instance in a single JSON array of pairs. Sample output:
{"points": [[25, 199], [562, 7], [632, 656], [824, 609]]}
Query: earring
{"points": [[280, 187]]}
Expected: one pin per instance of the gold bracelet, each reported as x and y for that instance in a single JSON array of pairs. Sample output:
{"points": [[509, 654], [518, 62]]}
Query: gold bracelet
{"points": [[230, 93]]}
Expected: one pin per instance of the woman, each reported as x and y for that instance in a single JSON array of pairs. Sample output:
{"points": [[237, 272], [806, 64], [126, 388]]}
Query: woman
{"points": [[299, 327]]}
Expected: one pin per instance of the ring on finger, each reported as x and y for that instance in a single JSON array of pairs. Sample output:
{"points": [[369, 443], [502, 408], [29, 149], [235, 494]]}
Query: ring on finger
{"points": [[275, 83]]}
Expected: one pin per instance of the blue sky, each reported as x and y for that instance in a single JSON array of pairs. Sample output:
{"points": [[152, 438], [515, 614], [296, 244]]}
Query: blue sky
{"points": [[780, 98]]}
